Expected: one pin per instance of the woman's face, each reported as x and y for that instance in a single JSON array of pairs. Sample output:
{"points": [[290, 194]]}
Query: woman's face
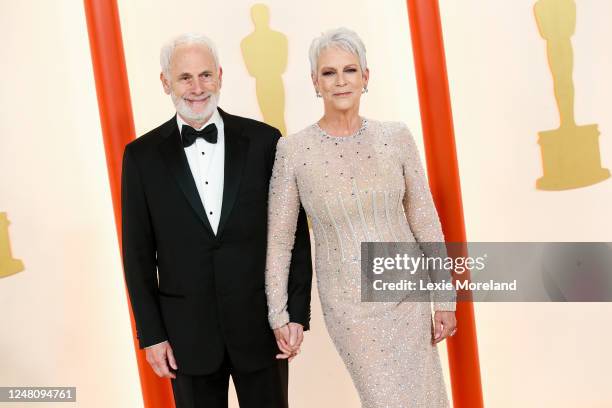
{"points": [[339, 79]]}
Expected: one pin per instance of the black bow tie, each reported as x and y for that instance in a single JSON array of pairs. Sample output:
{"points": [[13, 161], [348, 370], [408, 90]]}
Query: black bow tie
{"points": [[189, 134]]}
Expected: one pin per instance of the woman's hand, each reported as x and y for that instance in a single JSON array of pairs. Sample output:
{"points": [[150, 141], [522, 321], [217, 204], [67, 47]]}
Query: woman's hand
{"points": [[445, 325], [289, 340]]}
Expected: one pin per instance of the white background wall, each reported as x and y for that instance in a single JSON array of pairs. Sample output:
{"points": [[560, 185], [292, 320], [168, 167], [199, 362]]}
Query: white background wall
{"points": [[64, 320], [532, 355]]}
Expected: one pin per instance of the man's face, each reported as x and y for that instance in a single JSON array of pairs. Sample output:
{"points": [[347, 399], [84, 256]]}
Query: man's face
{"points": [[194, 82]]}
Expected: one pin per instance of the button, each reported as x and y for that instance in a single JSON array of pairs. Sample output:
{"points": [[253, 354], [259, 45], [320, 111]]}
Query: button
{"points": [[210, 212], [206, 182], [203, 153]]}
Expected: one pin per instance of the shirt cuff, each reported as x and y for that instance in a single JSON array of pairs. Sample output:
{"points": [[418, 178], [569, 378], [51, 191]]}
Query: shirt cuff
{"points": [[155, 344]]}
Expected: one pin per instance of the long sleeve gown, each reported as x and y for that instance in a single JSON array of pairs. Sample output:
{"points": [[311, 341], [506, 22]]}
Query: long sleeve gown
{"points": [[367, 187]]}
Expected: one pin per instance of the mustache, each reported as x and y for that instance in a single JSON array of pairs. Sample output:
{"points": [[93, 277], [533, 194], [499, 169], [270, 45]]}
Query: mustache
{"points": [[198, 97]]}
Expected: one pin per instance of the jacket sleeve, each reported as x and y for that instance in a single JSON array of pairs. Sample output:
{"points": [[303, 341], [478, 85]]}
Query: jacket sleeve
{"points": [[300, 274], [139, 255]]}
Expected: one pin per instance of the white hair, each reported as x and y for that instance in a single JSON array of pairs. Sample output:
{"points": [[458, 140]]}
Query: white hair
{"points": [[167, 51], [343, 38]]}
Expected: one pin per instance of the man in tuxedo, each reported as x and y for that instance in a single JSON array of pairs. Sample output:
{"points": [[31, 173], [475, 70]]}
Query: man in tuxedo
{"points": [[194, 204]]}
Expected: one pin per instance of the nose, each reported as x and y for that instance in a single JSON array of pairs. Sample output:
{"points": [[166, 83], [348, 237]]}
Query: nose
{"points": [[340, 81], [197, 87]]}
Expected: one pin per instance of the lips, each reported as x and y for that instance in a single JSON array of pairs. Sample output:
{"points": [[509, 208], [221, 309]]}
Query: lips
{"points": [[197, 101], [343, 94]]}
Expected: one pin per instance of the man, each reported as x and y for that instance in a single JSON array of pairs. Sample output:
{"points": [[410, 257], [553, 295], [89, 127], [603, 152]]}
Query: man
{"points": [[194, 203]]}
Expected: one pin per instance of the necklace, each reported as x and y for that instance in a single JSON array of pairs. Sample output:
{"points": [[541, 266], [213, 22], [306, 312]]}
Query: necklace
{"points": [[362, 128]]}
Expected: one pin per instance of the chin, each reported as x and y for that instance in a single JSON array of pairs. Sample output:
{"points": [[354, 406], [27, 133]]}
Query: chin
{"points": [[345, 105], [201, 114]]}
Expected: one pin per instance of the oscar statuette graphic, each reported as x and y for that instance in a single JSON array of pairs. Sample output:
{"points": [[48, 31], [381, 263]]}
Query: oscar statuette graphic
{"points": [[265, 54], [570, 153], [8, 265]]}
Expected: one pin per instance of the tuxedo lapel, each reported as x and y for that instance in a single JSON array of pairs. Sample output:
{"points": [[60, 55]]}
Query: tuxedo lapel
{"points": [[236, 149], [174, 156]]}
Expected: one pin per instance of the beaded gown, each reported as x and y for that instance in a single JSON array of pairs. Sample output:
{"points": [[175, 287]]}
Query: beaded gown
{"points": [[367, 187]]}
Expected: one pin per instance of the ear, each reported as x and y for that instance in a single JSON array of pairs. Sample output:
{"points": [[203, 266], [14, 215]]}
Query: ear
{"points": [[165, 83], [366, 77], [220, 76], [315, 81]]}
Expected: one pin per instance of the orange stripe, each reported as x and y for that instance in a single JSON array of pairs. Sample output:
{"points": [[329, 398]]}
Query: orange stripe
{"points": [[118, 129], [443, 172]]}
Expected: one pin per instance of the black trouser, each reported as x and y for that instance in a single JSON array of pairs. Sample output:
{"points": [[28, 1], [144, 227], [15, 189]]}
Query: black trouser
{"points": [[266, 388]]}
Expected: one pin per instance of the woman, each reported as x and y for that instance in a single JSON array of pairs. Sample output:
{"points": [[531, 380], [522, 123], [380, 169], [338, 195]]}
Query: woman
{"points": [[359, 180]]}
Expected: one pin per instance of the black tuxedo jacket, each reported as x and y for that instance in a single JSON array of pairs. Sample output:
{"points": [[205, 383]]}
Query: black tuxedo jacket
{"points": [[205, 293]]}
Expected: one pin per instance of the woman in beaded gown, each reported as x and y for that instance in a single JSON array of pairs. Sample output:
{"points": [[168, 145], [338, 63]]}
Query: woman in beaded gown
{"points": [[359, 181]]}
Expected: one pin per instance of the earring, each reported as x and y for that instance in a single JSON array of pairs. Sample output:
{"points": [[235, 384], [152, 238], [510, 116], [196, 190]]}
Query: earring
{"points": [[319, 94], [365, 90]]}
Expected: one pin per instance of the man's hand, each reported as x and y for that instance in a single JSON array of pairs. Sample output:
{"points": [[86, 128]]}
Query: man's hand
{"points": [[159, 356], [445, 324], [289, 340]]}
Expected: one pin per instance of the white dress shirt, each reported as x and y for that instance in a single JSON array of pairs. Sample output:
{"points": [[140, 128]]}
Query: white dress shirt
{"points": [[206, 161]]}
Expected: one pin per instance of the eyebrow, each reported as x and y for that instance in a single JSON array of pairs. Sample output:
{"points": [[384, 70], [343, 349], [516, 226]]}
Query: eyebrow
{"points": [[187, 74], [346, 66]]}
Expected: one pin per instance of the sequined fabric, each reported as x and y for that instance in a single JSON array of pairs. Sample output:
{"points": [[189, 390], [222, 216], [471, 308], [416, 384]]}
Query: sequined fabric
{"points": [[367, 187]]}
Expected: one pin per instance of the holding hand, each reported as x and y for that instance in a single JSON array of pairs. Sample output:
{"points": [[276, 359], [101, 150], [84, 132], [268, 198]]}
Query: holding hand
{"points": [[159, 356], [289, 340], [445, 325]]}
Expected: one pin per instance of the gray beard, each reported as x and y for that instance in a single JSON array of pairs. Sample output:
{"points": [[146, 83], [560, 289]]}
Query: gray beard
{"points": [[187, 113]]}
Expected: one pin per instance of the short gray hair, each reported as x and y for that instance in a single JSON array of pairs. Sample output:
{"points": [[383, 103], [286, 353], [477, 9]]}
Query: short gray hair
{"points": [[343, 38], [165, 55]]}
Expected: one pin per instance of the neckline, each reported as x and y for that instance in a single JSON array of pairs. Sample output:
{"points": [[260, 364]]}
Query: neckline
{"points": [[359, 132]]}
